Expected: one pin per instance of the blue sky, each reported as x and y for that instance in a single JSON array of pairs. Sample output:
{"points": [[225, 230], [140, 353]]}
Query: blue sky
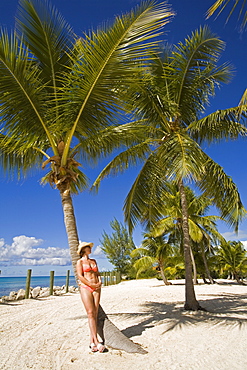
{"points": [[32, 233]]}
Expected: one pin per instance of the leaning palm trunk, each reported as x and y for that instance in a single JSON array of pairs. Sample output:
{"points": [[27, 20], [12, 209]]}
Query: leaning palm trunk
{"points": [[206, 267], [109, 333], [190, 297], [194, 267], [163, 275]]}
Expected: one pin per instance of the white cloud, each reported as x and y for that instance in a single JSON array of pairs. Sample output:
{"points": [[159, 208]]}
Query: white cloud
{"points": [[97, 251], [25, 250], [245, 244], [230, 235]]}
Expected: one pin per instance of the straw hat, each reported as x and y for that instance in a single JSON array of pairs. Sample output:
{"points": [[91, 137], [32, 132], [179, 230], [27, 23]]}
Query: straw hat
{"points": [[83, 245]]}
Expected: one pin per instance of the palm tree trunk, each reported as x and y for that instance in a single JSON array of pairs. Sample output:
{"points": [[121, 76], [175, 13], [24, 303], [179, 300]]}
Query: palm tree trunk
{"points": [[163, 275], [204, 279], [190, 298], [71, 228], [206, 266], [109, 333], [195, 281], [237, 278]]}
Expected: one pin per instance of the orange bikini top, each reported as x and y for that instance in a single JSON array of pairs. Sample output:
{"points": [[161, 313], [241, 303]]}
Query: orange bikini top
{"points": [[87, 267]]}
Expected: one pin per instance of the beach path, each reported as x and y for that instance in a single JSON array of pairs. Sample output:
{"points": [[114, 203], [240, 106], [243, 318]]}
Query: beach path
{"points": [[52, 333]]}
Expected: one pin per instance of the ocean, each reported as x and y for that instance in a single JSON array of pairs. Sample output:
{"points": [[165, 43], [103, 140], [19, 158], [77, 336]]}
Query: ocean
{"points": [[9, 284]]}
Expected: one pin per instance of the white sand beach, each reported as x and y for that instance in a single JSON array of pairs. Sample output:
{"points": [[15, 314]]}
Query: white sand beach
{"points": [[52, 332]]}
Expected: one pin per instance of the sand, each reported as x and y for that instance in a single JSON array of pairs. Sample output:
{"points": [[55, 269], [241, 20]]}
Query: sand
{"points": [[52, 333]]}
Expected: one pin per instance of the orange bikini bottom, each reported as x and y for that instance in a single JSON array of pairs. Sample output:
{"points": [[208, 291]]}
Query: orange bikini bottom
{"points": [[91, 290]]}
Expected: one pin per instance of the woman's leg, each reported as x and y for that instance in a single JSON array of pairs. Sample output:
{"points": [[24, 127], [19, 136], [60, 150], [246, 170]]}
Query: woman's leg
{"points": [[96, 296], [89, 304]]}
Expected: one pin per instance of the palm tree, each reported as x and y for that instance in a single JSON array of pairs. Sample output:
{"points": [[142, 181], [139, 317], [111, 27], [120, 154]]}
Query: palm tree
{"points": [[170, 105], [202, 227], [60, 94], [232, 258], [154, 250], [220, 5]]}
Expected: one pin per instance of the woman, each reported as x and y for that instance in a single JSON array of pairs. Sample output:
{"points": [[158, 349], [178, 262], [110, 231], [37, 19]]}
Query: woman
{"points": [[90, 288]]}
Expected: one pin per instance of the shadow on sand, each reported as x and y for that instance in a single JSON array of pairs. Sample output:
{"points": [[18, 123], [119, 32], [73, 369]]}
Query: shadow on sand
{"points": [[228, 309]]}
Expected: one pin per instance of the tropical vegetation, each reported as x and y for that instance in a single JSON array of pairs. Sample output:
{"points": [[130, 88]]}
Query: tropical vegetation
{"points": [[61, 97], [60, 94], [231, 258], [202, 227], [153, 254], [56, 92], [118, 246], [168, 104]]}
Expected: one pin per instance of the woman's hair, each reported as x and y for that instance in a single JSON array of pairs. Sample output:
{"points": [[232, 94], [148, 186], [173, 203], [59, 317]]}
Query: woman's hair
{"points": [[82, 252]]}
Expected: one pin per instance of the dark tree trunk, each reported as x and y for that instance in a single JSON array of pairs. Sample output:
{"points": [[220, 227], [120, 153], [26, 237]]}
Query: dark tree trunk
{"points": [[206, 266], [236, 277], [204, 279], [190, 298], [111, 335]]}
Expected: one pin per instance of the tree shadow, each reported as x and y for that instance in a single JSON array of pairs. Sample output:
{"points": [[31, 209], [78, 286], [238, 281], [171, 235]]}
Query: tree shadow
{"points": [[227, 309]]}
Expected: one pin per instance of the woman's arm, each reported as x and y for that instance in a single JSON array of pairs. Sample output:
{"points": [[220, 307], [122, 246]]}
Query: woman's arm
{"points": [[80, 273], [81, 277], [98, 273]]}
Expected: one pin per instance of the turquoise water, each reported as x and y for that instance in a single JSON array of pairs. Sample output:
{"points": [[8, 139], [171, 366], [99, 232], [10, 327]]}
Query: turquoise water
{"points": [[9, 284]]}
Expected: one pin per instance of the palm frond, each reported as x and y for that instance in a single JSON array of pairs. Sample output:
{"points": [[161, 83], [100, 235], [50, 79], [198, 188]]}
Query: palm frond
{"points": [[47, 35], [105, 62], [143, 264], [223, 191], [180, 157], [243, 104], [222, 124], [23, 96], [195, 231], [132, 156], [194, 63], [16, 157], [220, 5], [163, 226], [139, 252], [142, 201], [112, 138]]}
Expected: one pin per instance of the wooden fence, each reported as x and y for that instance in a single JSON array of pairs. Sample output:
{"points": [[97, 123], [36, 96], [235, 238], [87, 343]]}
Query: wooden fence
{"points": [[108, 278]]}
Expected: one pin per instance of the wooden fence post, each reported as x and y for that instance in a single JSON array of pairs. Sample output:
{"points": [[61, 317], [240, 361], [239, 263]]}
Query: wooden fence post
{"points": [[51, 282], [118, 277], [67, 281], [28, 281], [103, 275]]}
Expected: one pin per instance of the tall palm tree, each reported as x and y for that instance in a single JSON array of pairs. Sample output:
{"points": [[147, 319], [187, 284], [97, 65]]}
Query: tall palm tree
{"points": [[220, 5], [60, 94], [232, 258], [170, 106]]}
